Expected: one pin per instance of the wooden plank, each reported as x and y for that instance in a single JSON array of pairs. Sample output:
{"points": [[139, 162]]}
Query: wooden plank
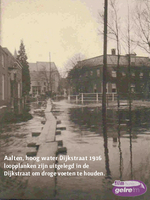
{"points": [[60, 142], [58, 121], [61, 150], [35, 134], [60, 127], [58, 133], [43, 187], [48, 131], [31, 151], [49, 106], [50, 136]]}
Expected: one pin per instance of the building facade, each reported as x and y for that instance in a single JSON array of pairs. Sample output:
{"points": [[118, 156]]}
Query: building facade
{"points": [[90, 77], [11, 81], [4, 79], [45, 78]]}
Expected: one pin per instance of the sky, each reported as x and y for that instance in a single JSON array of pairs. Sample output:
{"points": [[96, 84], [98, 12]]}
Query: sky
{"points": [[59, 28]]}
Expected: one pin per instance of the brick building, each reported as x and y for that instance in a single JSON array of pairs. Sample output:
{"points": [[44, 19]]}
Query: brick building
{"points": [[11, 81], [4, 79], [91, 74]]}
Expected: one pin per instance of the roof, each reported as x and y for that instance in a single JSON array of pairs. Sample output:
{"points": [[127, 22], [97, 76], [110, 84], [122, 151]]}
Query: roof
{"points": [[38, 75], [2, 49], [38, 66], [41, 70], [112, 60], [10, 54]]}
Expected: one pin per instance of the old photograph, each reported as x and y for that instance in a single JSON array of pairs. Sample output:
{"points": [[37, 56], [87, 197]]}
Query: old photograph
{"points": [[75, 99]]}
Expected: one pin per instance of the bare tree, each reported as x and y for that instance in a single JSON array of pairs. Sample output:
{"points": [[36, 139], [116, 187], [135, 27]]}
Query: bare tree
{"points": [[114, 33], [73, 69], [142, 24], [50, 76], [128, 46], [129, 57], [73, 61]]}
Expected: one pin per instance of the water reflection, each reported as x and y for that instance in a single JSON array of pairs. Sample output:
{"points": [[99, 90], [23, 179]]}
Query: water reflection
{"points": [[122, 123], [130, 136], [14, 136], [119, 143], [84, 136], [106, 153], [118, 122]]}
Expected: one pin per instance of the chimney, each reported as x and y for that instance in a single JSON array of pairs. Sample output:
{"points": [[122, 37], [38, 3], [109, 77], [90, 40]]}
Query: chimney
{"points": [[113, 52]]}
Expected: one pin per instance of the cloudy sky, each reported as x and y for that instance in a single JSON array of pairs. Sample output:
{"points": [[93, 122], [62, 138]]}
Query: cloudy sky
{"points": [[62, 27]]}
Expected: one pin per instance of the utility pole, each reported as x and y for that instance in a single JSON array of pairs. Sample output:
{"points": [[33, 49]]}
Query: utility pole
{"points": [[105, 70], [0, 24], [50, 75], [104, 109]]}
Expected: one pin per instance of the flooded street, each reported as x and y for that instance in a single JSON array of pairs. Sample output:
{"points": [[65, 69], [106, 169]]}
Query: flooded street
{"points": [[13, 141], [127, 158]]}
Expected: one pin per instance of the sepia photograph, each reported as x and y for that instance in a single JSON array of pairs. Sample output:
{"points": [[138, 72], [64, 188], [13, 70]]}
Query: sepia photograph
{"points": [[75, 99]]}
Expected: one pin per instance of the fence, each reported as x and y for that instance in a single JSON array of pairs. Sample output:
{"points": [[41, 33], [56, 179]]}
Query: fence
{"points": [[97, 97], [91, 97]]}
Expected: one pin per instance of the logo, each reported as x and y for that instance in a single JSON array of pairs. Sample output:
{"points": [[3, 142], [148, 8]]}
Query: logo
{"points": [[130, 188]]}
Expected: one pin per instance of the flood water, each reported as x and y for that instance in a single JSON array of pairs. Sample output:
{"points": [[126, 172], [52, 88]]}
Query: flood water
{"points": [[13, 141], [126, 157]]}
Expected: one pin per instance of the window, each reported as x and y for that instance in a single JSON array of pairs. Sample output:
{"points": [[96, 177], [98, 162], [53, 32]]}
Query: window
{"points": [[39, 89], [107, 88], [98, 72], [3, 87], [9, 86], [113, 88], [86, 73], [132, 87], [19, 90], [44, 83], [123, 73], [132, 60], [141, 74], [3, 65], [95, 88], [34, 89], [91, 72], [114, 74]]}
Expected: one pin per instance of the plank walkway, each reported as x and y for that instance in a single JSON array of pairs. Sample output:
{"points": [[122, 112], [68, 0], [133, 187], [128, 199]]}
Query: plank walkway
{"points": [[48, 132], [44, 186]]}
